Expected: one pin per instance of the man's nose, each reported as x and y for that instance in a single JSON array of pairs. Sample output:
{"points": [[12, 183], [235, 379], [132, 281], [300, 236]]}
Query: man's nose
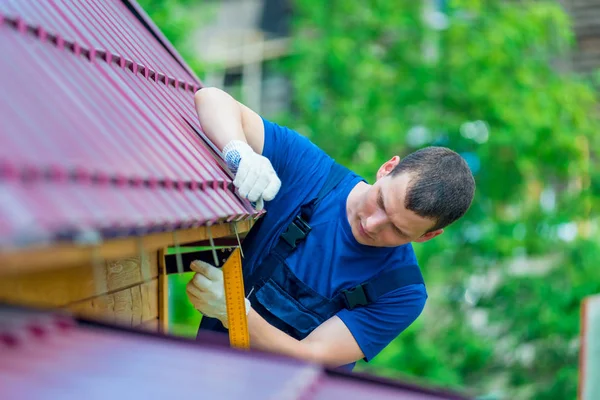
{"points": [[375, 222]]}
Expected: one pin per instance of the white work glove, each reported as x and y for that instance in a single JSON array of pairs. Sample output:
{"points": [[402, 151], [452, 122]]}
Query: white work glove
{"points": [[207, 293], [255, 177]]}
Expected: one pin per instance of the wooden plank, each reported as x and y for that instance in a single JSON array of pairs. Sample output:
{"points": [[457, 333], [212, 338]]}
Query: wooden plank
{"points": [[589, 359], [152, 325], [163, 293], [66, 255], [128, 307], [56, 288]]}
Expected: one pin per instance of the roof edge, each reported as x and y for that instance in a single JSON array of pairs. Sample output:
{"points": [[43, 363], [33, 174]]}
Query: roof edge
{"points": [[149, 24], [395, 383]]}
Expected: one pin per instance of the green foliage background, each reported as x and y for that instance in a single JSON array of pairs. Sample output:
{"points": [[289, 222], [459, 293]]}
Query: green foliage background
{"points": [[505, 283]]}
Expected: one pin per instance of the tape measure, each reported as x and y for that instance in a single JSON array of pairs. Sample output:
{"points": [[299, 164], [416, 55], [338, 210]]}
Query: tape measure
{"points": [[235, 301]]}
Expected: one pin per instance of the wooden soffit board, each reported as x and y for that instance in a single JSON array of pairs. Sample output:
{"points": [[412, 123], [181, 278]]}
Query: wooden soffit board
{"points": [[60, 256]]}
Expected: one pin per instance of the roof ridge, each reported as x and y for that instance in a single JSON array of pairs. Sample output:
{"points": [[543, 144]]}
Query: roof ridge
{"points": [[93, 54]]}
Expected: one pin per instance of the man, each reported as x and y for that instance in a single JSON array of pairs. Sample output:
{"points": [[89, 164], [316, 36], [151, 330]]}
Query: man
{"points": [[330, 273]]}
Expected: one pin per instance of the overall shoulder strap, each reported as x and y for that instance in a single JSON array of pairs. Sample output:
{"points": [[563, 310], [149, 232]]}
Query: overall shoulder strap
{"points": [[299, 227], [297, 230], [335, 176], [368, 292]]}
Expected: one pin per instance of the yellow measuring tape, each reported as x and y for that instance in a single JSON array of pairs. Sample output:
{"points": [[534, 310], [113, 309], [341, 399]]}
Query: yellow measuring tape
{"points": [[235, 301]]}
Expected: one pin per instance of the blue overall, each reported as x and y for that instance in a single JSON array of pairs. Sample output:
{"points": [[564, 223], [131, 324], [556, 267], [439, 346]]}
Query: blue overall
{"points": [[290, 305]]}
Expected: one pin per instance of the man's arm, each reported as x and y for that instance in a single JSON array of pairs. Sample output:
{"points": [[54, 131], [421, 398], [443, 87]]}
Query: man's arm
{"points": [[331, 343], [240, 135], [224, 119]]}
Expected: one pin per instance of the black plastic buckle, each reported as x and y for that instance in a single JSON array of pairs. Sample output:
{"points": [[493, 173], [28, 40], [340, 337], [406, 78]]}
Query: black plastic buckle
{"points": [[355, 297], [296, 231]]}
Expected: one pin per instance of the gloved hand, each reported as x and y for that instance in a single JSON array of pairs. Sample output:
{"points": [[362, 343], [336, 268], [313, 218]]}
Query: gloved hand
{"points": [[207, 292], [255, 177]]}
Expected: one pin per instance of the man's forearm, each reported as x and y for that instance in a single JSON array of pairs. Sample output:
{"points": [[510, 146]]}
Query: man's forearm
{"points": [[224, 119], [265, 336], [220, 116]]}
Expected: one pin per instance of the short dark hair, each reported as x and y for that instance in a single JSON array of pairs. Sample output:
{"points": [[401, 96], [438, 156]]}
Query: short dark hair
{"points": [[441, 186]]}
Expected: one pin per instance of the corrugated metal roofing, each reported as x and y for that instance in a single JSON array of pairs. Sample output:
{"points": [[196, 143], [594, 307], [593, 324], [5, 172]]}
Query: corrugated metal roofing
{"points": [[100, 25], [98, 128], [104, 362]]}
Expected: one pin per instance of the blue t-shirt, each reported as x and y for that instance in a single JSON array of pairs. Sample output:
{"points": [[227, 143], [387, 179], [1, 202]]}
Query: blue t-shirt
{"points": [[330, 259]]}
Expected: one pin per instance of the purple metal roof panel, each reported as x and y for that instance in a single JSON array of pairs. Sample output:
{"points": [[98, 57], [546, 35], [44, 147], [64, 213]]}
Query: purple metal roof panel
{"points": [[95, 141], [86, 211], [41, 14], [365, 387], [63, 115], [164, 122], [100, 25], [349, 390], [106, 361]]}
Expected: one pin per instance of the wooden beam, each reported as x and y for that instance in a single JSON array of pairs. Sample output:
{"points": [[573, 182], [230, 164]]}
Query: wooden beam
{"points": [[163, 293], [60, 287], [152, 325], [55, 256], [128, 307]]}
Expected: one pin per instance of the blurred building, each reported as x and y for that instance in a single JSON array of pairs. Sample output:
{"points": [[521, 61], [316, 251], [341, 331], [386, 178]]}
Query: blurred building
{"points": [[245, 38], [585, 16], [241, 46]]}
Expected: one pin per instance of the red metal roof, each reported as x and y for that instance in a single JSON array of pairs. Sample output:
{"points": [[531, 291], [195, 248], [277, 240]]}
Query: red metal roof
{"points": [[98, 128], [43, 355]]}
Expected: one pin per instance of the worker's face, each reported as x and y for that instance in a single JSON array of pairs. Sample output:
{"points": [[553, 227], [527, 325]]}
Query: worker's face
{"points": [[380, 218]]}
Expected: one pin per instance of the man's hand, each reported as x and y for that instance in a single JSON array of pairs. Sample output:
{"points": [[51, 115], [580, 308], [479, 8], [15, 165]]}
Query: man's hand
{"points": [[331, 343], [207, 292], [255, 177]]}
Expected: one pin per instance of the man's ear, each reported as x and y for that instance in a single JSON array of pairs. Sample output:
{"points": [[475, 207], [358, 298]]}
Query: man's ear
{"points": [[429, 236], [387, 167]]}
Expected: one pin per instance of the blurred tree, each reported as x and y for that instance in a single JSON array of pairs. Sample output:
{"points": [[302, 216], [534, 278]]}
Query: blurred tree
{"points": [[374, 79]]}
